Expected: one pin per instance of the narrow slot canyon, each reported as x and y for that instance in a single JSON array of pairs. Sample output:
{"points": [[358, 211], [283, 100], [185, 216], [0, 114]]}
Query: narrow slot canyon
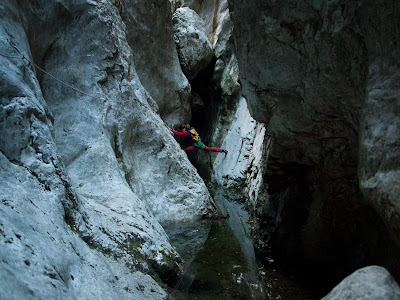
{"points": [[98, 198]]}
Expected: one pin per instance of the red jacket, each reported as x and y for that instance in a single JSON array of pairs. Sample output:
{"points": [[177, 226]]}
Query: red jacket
{"points": [[185, 133]]}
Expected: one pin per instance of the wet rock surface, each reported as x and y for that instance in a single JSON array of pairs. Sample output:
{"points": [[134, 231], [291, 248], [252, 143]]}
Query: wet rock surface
{"points": [[313, 73], [89, 170]]}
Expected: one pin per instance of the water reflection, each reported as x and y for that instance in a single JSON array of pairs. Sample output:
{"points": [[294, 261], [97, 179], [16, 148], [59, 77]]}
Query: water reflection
{"points": [[220, 261], [224, 267]]}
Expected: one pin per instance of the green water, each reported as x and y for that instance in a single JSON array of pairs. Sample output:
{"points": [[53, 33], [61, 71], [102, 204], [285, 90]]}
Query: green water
{"points": [[224, 265], [220, 262], [219, 267]]}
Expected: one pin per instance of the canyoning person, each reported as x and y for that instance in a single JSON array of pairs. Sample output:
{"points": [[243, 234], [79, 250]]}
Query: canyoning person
{"points": [[190, 134]]}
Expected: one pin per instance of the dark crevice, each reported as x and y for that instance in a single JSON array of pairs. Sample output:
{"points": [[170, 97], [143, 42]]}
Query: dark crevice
{"points": [[202, 85], [203, 115], [70, 204], [319, 243]]}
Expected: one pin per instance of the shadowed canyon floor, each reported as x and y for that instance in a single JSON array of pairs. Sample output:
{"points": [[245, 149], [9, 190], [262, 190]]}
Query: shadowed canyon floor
{"points": [[225, 266]]}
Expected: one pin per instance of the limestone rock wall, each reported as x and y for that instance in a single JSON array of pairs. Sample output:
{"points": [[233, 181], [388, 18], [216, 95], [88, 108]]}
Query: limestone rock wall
{"points": [[241, 170], [379, 160], [229, 124], [149, 33], [88, 167], [216, 91], [323, 76], [214, 13]]}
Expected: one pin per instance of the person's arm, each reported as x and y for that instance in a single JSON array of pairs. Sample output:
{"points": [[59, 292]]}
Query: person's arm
{"points": [[185, 133]]}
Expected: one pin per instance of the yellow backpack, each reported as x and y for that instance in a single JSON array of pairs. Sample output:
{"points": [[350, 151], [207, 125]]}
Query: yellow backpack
{"points": [[194, 135]]}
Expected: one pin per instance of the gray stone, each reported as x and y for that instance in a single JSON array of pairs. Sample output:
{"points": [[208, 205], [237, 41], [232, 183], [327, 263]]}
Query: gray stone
{"points": [[149, 34], [241, 169], [194, 49], [379, 163], [42, 257], [214, 13], [322, 77], [304, 68], [372, 282], [88, 168]]}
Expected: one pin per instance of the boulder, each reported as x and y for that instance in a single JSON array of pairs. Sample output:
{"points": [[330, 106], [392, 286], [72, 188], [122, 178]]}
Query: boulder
{"points": [[194, 49], [214, 13], [371, 282]]}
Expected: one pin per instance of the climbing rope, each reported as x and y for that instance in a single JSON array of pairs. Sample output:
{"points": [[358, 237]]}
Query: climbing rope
{"points": [[44, 71], [9, 56], [55, 78], [62, 82]]}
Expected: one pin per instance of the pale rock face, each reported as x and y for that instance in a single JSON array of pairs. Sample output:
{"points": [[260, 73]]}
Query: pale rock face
{"points": [[194, 49], [214, 13], [42, 258], [120, 124], [149, 34], [95, 168], [241, 169], [367, 283], [255, 181], [161, 174]]}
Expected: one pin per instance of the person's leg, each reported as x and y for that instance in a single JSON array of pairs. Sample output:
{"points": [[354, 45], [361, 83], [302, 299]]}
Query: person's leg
{"points": [[213, 149], [190, 149]]}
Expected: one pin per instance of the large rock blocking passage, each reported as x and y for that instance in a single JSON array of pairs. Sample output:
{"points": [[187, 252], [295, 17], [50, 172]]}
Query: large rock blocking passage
{"points": [[313, 72], [194, 49], [88, 168]]}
